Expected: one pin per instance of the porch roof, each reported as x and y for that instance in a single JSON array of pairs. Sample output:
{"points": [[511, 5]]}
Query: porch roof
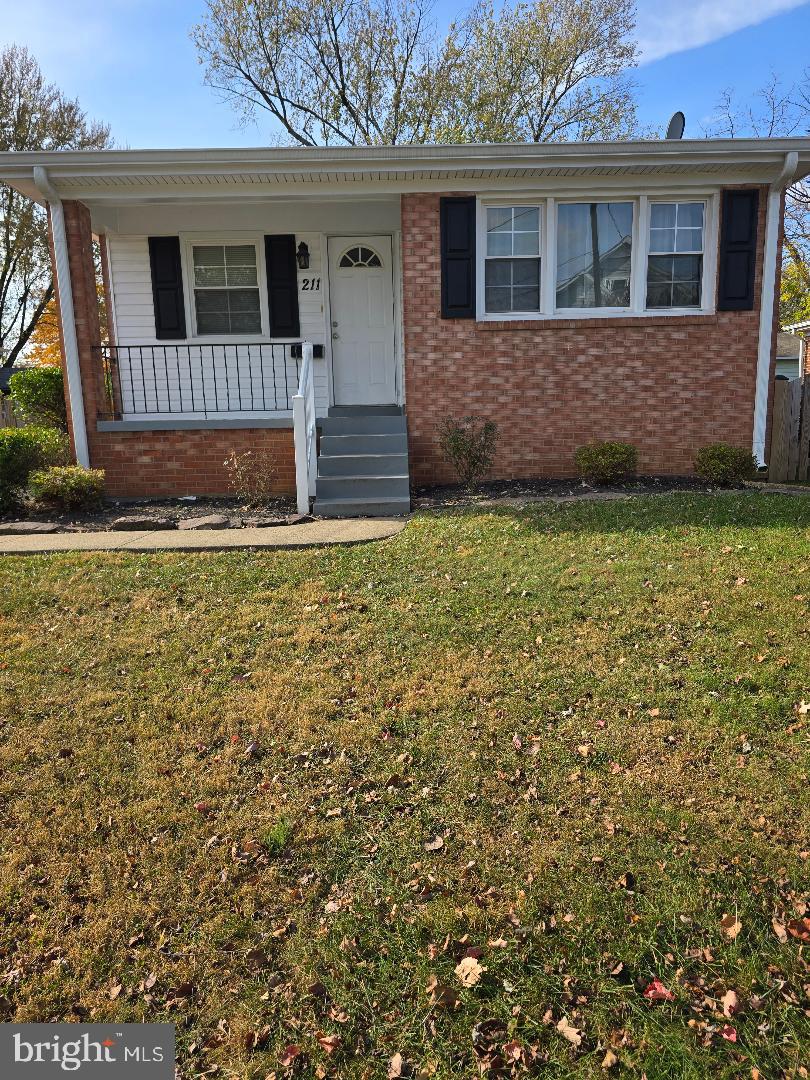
{"points": [[146, 175]]}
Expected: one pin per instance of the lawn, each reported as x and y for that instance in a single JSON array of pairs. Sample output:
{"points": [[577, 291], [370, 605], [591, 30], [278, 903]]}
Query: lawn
{"points": [[517, 791]]}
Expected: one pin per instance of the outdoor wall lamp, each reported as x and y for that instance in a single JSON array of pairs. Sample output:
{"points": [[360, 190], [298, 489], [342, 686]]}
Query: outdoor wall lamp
{"points": [[302, 256]]}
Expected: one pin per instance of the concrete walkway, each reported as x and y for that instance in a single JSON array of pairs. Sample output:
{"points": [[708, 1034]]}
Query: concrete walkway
{"points": [[310, 534]]}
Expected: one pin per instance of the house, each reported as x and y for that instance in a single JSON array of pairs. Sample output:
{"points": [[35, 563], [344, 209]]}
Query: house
{"points": [[791, 351], [332, 305]]}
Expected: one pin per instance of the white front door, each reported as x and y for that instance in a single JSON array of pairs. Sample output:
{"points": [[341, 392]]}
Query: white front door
{"points": [[361, 301]]}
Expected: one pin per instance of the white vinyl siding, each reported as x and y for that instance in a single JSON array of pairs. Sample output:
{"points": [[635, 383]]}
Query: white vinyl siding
{"points": [[131, 283]]}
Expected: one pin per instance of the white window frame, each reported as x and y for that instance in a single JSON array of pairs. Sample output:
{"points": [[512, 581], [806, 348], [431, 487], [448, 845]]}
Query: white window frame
{"points": [[481, 246], [187, 243], [547, 205], [599, 312], [708, 272]]}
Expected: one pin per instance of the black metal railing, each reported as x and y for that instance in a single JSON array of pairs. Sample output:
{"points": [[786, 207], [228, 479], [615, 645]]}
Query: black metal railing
{"points": [[197, 379]]}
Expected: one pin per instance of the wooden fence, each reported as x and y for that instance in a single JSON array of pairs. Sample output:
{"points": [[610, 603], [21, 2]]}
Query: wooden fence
{"points": [[789, 458], [7, 417]]}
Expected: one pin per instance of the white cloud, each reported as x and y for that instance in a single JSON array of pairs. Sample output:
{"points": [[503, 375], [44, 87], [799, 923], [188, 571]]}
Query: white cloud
{"points": [[664, 29]]}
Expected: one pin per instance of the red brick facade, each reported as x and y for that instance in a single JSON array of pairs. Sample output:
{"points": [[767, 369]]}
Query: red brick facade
{"points": [[668, 385], [153, 463]]}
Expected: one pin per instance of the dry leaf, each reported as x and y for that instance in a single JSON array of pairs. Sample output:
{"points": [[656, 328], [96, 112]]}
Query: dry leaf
{"points": [[731, 926], [469, 971], [398, 1067], [568, 1031], [731, 1003], [115, 990], [441, 996], [779, 930], [329, 1043], [609, 1060], [799, 928], [436, 844], [656, 991], [728, 1033], [289, 1055]]}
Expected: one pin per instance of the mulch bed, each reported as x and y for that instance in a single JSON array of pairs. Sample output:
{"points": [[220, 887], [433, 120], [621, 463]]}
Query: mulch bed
{"points": [[426, 498], [165, 513]]}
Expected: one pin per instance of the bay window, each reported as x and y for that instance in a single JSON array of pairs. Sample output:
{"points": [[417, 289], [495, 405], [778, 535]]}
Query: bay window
{"points": [[675, 260], [512, 259]]}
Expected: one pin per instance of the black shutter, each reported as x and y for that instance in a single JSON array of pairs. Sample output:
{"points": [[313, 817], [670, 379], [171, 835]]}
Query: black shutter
{"points": [[282, 286], [167, 287], [738, 250], [457, 216]]}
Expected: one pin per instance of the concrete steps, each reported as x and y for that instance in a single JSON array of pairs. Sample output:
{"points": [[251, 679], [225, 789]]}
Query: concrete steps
{"points": [[363, 463]]}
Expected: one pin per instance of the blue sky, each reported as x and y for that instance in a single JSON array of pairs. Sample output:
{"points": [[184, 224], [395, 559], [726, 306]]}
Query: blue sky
{"points": [[131, 63]]}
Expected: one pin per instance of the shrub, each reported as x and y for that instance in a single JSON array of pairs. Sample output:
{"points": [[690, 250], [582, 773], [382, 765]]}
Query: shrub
{"points": [[725, 465], [469, 444], [22, 450], [70, 487], [251, 476], [606, 462], [38, 395]]}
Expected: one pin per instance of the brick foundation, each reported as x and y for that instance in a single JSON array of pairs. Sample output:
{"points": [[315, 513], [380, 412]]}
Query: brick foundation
{"points": [[669, 385]]}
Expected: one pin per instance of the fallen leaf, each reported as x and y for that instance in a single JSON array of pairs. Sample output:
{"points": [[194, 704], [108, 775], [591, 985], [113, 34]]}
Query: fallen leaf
{"points": [[656, 991], [115, 990], [609, 1060], [731, 926], [441, 997], [728, 1033], [469, 971], [569, 1032], [398, 1067], [289, 1055], [436, 844], [779, 930], [799, 928], [329, 1043], [731, 1003]]}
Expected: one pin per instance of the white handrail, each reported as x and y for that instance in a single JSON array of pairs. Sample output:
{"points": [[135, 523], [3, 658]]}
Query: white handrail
{"points": [[305, 431]]}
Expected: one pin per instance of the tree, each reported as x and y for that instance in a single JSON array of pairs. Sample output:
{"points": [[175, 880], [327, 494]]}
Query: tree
{"points": [[378, 72], [43, 345], [777, 110], [34, 115]]}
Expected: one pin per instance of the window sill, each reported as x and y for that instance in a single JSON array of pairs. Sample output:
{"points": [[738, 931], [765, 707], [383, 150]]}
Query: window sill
{"points": [[569, 321]]}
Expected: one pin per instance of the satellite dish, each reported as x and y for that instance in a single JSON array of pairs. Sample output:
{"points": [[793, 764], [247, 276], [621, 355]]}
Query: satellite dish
{"points": [[676, 126]]}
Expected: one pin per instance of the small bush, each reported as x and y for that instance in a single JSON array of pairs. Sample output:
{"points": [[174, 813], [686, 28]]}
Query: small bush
{"points": [[38, 395], [725, 465], [606, 462], [469, 445], [69, 487], [22, 451], [251, 476]]}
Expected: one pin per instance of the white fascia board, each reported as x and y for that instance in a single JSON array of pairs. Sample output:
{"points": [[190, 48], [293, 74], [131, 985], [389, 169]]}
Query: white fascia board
{"points": [[400, 165]]}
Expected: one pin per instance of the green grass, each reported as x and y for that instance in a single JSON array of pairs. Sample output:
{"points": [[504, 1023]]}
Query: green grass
{"points": [[219, 772]]}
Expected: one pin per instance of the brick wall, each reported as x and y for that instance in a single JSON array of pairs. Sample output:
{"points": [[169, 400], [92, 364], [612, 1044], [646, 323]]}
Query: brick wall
{"points": [[668, 384], [153, 463]]}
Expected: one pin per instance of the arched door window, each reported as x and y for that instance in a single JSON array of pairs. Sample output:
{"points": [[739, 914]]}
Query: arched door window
{"points": [[357, 257]]}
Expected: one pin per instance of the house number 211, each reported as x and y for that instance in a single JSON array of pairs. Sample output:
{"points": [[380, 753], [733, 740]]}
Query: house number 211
{"points": [[311, 284]]}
